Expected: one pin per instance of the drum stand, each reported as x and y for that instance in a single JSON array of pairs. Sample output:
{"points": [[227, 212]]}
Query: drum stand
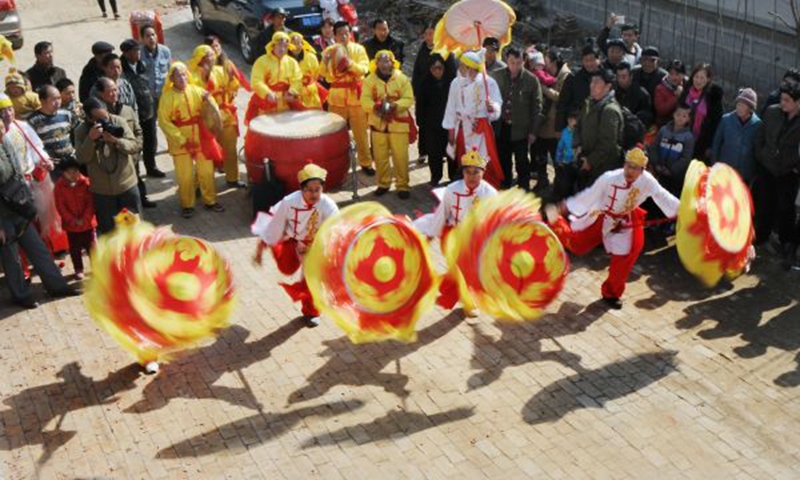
{"points": [[354, 170]]}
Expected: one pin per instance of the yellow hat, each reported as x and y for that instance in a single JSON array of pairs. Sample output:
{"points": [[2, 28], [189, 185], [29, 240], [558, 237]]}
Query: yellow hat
{"points": [[373, 65], [15, 78], [169, 83], [473, 159], [294, 48], [636, 156], [198, 55], [312, 172], [5, 101], [474, 59], [276, 37]]}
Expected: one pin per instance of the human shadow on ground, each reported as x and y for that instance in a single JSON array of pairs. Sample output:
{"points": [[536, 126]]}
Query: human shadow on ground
{"points": [[521, 343], [32, 409], [360, 365], [385, 427], [593, 388], [237, 437], [205, 366]]}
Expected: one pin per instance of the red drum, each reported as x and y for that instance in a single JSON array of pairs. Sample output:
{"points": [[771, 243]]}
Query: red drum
{"points": [[291, 139]]}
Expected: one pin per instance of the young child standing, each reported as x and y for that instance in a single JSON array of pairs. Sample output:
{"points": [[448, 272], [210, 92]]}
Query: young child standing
{"points": [[564, 161], [672, 151], [75, 205]]}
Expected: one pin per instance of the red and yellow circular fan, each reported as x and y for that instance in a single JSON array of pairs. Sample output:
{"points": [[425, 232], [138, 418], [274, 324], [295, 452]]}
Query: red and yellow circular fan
{"points": [[510, 264], [371, 273], [715, 223], [157, 293]]}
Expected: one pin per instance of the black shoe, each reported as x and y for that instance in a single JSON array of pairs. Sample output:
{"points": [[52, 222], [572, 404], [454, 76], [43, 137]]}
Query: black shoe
{"points": [[28, 303], [187, 212], [381, 191], [66, 292], [434, 183], [368, 171], [147, 203], [404, 195], [613, 303], [156, 173], [105, 15], [422, 160], [216, 207], [236, 184]]}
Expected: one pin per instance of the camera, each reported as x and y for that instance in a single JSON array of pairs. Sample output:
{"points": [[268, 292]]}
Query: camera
{"points": [[113, 130]]}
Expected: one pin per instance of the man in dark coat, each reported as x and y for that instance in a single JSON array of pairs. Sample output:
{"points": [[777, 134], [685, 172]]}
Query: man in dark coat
{"points": [[632, 96], [43, 72], [576, 87], [382, 39], [649, 73], [598, 133], [93, 69], [431, 96]]}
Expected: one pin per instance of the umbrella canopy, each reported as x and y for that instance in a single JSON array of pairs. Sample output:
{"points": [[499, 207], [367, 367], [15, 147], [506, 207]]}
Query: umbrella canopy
{"points": [[468, 22]]}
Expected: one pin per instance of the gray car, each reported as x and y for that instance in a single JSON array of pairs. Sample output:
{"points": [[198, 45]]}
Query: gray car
{"points": [[11, 23]]}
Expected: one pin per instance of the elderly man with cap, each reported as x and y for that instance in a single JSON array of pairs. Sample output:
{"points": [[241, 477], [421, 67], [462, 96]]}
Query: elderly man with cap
{"points": [[290, 229], [277, 23], [93, 69], [649, 74], [387, 97], [344, 66], [382, 39], [615, 54], [473, 103], [629, 34], [456, 201], [43, 72], [492, 47], [609, 212], [180, 117], [276, 80], [135, 73]]}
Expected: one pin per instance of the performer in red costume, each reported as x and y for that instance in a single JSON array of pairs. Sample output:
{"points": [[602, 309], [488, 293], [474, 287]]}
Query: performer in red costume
{"points": [[290, 229], [609, 212]]}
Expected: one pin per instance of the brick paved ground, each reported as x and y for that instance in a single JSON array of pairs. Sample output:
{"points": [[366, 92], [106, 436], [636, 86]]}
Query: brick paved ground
{"points": [[683, 382]]}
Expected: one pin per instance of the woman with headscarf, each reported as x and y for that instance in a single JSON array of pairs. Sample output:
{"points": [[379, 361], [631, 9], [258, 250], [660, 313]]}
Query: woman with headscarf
{"points": [[431, 97], [306, 57], [180, 118], [276, 79]]}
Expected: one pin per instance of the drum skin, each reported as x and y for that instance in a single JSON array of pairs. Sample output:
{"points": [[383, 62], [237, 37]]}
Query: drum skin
{"points": [[290, 140]]}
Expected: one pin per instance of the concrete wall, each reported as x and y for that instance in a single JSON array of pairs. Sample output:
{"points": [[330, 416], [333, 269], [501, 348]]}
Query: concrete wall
{"points": [[746, 48]]}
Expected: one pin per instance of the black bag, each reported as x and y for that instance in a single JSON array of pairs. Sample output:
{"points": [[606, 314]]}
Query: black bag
{"points": [[17, 196], [632, 130], [266, 193]]}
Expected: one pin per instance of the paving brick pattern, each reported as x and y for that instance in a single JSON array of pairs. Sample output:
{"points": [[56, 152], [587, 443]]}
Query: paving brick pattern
{"points": [[684, 382]]}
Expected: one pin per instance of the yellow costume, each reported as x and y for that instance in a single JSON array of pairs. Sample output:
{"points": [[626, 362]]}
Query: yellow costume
{"points": [[309, 67], [390, 132], [344, 98], [25, 102], [223, 85], [273, 75], [179, 116]]}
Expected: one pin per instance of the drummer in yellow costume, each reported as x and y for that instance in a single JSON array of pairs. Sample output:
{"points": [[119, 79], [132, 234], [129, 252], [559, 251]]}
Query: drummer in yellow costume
{"points": [[344, 66], [386, 97], [276, 79], [306, 57], [222, 83], [179, 116]]}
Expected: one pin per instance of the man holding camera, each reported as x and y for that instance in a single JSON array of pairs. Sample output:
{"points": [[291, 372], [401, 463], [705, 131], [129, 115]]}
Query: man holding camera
{"points": [[107, 90], [107, 145]]}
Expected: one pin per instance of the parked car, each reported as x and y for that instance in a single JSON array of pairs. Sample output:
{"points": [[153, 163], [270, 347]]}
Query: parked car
{"points": [[243, 20], [10, 23]]}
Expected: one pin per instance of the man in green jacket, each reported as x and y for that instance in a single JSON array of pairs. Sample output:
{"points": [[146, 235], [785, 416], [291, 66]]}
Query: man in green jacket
{"points": [[599, 131], [106, 145], [520, 119]]}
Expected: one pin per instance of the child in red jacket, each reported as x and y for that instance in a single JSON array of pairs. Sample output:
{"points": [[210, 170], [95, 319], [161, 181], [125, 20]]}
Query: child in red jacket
{"points": [[76, 207]]}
